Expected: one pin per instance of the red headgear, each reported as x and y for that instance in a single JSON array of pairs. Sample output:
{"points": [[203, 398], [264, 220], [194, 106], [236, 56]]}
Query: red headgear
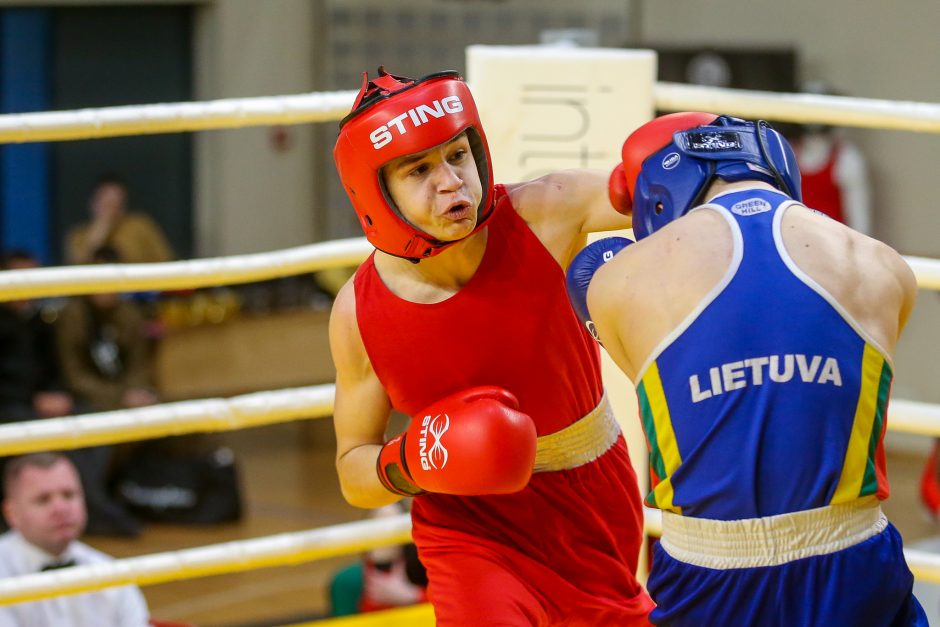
{"points": [[393, 117]]}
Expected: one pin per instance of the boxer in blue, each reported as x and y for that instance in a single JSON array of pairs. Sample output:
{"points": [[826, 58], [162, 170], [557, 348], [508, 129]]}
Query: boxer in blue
{"points": [[759, 334]]}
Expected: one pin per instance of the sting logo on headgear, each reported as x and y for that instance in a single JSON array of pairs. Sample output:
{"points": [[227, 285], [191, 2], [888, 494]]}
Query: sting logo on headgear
{"points": [[417, 116], [433, 427], [393, 117], [713, 142]]}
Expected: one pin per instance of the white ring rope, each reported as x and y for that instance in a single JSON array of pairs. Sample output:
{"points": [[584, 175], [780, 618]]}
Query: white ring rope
{"points": [[171, 275], [213, 559], [194, 273], [174, 118], [914, 417], [281, 549], [835, 110], [329, 106], [282, 405], [204, 415], [927, 271], [924, 565], [263, 408]]}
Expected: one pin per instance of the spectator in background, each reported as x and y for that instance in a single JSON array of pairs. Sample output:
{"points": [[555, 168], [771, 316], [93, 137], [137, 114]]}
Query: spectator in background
{"points": [[930, 483], [31, 385], [134, 235], [106, 362], [386, 577], [835, 174], [392, 575], [45, 507], [103, 348], [30, 378]]}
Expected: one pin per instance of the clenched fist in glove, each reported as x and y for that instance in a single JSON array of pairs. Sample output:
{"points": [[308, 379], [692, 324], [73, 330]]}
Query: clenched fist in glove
{"points": [[473, 442]]}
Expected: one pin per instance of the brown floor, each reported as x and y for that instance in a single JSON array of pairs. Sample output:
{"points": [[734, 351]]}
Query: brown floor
{"points": [[290, 485]]}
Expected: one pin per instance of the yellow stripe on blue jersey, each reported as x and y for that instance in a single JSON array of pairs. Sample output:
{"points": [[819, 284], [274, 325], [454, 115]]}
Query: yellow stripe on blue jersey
{"points": [[661, 439], [859, 477]]}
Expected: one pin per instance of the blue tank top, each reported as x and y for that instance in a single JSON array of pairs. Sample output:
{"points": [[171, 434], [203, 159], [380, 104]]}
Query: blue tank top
{"points": [[768, 398]]}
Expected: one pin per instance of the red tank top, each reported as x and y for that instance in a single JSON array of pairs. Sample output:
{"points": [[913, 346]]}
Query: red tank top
{"points": [[511, 325], [821, 191], [571, 535]]}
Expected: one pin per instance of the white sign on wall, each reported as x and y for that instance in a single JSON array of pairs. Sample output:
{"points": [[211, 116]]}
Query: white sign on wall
{"points": [[547, 108]]}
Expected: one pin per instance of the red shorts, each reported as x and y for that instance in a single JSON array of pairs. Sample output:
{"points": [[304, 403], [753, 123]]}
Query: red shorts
{"points": [[563, 552]]}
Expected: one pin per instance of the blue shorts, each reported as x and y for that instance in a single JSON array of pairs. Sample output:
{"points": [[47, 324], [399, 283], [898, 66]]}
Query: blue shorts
{"points": [[868, 584]]}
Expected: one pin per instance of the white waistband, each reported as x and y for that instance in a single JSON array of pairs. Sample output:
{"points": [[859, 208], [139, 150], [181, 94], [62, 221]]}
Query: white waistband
{"points": [[580, 442], [773, 540]]}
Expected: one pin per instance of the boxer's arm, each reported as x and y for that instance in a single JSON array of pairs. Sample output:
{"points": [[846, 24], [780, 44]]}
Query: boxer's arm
{"points": [[583, 269], [590, 198], [595, 294], [561, 208], [361, 410], [579, 199], [605, 300]]}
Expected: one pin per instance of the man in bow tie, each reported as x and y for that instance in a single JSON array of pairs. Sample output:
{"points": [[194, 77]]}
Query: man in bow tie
{"points": [[45, 508]]}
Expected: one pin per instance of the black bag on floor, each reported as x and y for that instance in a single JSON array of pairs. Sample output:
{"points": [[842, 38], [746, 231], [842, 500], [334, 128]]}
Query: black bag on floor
{"points": [[169, 488]]}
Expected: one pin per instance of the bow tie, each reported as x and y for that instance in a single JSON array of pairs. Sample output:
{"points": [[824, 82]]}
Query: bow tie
{"points": [[57, 565]]}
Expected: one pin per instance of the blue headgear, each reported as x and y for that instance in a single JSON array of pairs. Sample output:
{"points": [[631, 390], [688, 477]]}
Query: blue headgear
{"points": [[675, 158]]}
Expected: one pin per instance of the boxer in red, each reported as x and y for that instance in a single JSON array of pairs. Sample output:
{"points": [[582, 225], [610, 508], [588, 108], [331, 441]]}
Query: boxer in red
{"points": [[527, 510]]}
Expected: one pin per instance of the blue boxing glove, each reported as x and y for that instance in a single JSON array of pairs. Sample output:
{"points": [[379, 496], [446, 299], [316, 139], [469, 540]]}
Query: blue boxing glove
{"points": [[582, 270]]}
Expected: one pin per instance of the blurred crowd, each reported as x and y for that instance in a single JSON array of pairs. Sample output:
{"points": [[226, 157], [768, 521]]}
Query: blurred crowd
{"points": [[95, 353]]}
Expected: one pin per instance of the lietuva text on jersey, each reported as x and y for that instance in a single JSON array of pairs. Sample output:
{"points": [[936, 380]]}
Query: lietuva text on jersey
{"points": [[772, 369]]}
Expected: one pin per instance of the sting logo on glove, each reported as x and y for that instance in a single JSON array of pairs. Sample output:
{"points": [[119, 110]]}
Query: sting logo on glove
{"points": [[436, 457], [482, 424]]}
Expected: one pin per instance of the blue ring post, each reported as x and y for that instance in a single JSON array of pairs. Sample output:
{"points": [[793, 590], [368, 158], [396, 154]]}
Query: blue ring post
{"points": [[24, 168]]}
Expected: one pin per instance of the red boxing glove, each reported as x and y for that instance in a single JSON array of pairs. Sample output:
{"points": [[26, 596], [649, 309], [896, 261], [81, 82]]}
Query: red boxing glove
{"points": [[471, 443], [618, 192]]}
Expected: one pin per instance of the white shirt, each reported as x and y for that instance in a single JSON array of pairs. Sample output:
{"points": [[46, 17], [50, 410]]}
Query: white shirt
{"points": [[122, 606]]}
